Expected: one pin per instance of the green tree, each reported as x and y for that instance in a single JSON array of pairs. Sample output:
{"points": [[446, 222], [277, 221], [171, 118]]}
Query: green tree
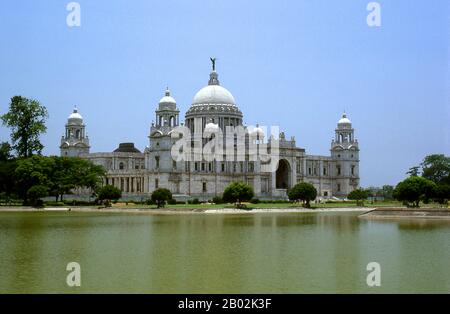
{"points": [[35, 193], [413, 171], [5, 151], [7, 168], [359, 195], [59, 174], [442, 195], [414, 189], [73, 172], [161, 196], [89, 175], [26, 119], [7, 177], [303, 191], [62, 176], [36, 170], [237, 192], [388, 191], [436, 168], [108, 193]]}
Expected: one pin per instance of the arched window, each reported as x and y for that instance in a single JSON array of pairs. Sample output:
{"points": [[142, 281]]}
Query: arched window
{"points": [[121, 166], [77, 134]]}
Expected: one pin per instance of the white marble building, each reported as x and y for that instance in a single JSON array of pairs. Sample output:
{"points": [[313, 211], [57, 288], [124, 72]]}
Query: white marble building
{"points": [[138, 173]]}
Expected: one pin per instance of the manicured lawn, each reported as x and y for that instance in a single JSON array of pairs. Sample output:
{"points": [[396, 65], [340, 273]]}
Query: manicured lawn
{"points": [[266, 205], [253, 206]]}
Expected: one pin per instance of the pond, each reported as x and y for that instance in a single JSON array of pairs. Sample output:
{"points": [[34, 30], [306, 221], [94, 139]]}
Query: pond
{"points": [[221, 253]]}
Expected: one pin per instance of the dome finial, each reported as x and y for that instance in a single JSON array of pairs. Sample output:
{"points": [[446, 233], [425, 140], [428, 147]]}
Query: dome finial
{"points": [[213, 61], [213, 76], [167, 93], [75, 110]]}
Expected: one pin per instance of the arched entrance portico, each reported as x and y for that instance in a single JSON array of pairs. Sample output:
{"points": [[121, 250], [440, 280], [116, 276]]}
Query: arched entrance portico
{"points": [[283, 175]]}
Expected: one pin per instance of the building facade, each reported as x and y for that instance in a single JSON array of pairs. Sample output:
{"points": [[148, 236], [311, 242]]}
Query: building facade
{"points": [[213, 109]]}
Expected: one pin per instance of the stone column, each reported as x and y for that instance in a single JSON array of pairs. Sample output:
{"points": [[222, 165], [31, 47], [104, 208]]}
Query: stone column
{"points": [[320, 178], [294, 171], [273, 183], [304, 167]]}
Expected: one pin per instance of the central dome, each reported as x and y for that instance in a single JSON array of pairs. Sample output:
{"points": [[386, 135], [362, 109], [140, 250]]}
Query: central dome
{"points": [[213, 94], [214, 103]]}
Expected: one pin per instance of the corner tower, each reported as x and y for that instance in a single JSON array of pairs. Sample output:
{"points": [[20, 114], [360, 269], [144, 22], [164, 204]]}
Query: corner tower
{"points": [[345, 155], [74, 142], [167, 113], [158, 154]]}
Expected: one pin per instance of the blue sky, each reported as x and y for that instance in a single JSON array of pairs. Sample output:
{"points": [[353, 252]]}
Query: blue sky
{"points": [[297, 64]]}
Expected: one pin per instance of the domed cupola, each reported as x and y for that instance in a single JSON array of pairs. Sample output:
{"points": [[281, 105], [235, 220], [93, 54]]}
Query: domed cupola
{"points": [[167, 112], [344, 122], [214, 103], [75, 117], [167, 101], [213, 93], [74, 142], [344, 134]]}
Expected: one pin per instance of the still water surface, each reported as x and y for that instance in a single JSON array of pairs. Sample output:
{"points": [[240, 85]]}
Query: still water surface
{"points": [[221, 253]]}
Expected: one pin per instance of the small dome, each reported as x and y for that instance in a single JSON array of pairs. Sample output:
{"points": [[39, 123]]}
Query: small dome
{"points": [[126, 148], [213, 94], [167, 99], [257, 131], [344, 119], [211, 128], [75, 116]]}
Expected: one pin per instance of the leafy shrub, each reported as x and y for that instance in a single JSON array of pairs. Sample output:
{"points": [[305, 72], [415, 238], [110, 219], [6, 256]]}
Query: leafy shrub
{"points": [[415, 189], [109, 192], [35, 193], [172, 202], [195, 201], [238, 192], [217, 200], [160, 196], [303, 191], [358, 195]]}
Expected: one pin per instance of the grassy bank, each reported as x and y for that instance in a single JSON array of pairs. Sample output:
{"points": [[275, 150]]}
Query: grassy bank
{"points": [[205, 206]]}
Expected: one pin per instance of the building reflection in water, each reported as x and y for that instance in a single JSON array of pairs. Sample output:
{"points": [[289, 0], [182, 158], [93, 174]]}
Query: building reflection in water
{"points": [[220, 253]]}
